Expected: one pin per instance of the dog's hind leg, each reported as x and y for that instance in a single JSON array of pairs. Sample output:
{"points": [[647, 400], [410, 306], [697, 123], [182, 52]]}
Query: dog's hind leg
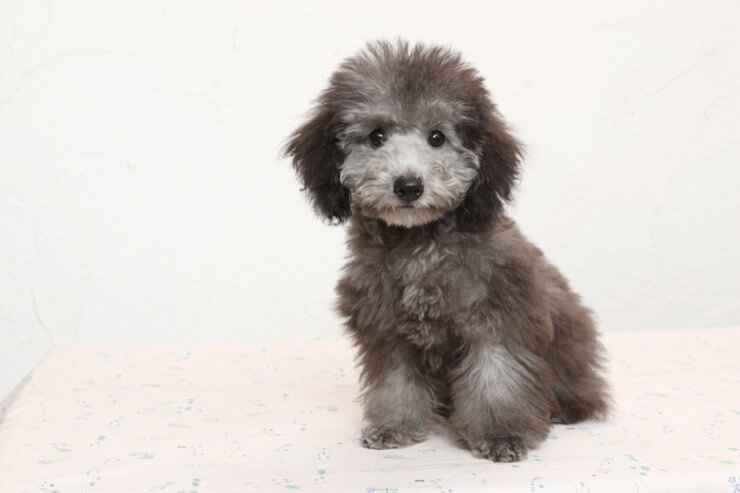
{"points": [[575, 356]]}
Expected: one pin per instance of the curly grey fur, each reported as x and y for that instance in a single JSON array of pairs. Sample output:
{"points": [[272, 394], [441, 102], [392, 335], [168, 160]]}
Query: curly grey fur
{"points": [[456, 315]]}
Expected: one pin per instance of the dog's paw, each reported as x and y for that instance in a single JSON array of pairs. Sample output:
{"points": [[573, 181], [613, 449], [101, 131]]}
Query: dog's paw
{"points": [[505, 449], [389, 436]]}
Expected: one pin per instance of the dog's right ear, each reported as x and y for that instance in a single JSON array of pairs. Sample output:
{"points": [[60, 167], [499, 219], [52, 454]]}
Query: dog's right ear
{"points": [[316, 156]]}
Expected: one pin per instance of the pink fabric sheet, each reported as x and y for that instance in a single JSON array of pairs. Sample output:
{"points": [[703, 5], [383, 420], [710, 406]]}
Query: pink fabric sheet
{"points": [[284, 417]]}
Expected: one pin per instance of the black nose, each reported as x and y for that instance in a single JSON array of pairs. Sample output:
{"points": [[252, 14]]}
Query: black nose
{"points": [[408, 188]]}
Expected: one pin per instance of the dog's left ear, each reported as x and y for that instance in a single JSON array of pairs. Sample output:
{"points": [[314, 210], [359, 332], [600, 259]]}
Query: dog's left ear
{"points": [[499, 157], [316, 157]]}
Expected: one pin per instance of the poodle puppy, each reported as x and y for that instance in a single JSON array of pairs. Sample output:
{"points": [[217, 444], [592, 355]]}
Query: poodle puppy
{"points": [[457, 317]]}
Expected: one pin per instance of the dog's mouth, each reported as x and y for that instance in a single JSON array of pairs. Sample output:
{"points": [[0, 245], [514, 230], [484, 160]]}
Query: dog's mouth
{"points": [[408, 215]]}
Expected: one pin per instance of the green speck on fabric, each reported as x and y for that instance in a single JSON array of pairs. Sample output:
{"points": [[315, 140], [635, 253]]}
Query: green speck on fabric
{"points": [[396, 457]]}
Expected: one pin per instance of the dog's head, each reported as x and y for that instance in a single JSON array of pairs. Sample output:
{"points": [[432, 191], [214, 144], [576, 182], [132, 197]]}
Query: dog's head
{"points": [[406, 135]]}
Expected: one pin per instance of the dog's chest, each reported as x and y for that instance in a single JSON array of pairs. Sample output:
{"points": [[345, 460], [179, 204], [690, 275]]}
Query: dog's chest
{"points": [[423, 280], [436, 287], [424, 291]]}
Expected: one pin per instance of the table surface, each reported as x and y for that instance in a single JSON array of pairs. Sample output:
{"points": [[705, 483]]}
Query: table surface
{"points": [[285, 416]]}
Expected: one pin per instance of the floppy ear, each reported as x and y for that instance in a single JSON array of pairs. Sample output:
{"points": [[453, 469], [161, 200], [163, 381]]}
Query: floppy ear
{"points": [[316, 157], [499, 156]]}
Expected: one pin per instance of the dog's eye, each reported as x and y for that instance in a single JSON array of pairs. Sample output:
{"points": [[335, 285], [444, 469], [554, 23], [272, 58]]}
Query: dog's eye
{"points": [[436, 138], [376, 137]]}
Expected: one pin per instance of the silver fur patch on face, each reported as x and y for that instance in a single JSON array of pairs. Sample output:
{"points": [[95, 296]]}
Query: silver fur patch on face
{"points": [[446, 173]]}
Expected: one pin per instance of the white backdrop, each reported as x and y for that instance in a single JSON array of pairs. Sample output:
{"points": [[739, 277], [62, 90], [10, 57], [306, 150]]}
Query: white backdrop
{"points": [[143, 199]]}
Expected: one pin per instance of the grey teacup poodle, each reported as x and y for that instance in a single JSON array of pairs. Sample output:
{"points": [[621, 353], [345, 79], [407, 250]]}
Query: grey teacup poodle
{"points": [[455, 313]]}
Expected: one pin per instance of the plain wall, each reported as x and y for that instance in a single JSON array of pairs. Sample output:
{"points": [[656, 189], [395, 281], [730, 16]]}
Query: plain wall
{"points": [[143, 197]]}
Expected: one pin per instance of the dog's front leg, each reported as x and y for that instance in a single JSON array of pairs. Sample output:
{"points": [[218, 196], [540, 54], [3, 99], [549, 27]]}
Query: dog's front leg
{"points": [[501, 401], [398, 404]]}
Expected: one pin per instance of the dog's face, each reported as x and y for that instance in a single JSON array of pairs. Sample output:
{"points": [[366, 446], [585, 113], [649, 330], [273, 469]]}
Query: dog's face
{"points": [[405, 164], [406, 135]]}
